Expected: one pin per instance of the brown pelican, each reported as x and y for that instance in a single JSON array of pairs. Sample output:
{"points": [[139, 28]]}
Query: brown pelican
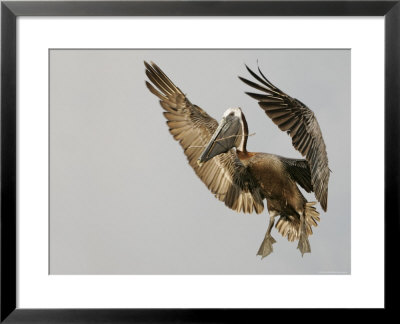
{"points": [[241, 179]]}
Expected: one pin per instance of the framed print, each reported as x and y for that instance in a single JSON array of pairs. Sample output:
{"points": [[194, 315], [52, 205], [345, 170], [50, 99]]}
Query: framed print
{"points": [[102, 216]]}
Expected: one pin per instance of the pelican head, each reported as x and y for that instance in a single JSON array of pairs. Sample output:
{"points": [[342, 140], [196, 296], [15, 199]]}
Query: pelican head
{"points": [[231, 132]]}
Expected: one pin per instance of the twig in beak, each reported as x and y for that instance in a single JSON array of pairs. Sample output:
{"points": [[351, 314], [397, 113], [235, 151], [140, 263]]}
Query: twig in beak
{"points": [[220, 139]]}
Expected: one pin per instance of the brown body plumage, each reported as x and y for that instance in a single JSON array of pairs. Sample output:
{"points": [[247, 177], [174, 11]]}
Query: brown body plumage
{"points": [[281, 192], [241, 179]]}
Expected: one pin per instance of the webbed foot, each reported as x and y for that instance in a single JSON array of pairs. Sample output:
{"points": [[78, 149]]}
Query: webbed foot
{"points": [[304, 245], [266, 246]]}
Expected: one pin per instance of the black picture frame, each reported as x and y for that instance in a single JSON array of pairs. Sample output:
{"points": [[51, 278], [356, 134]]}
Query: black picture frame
{"points": [[11, 10]]}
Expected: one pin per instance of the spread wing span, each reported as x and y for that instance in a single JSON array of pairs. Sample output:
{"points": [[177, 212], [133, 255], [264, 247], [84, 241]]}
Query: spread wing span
{"points": [[292, 116], [224, 175]]}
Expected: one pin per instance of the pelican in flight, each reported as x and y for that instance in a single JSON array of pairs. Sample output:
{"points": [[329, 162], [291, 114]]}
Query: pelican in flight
{"points": [[241, 179]]}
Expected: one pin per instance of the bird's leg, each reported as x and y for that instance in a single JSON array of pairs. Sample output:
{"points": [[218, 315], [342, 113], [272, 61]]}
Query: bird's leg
{"points": [[266, 246], [304, 244]]}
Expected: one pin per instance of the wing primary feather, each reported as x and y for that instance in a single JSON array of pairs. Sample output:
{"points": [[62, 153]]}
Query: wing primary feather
{"points": [[269, 82], [256, 86], [165, 78], [156, 92], [264, 98], [266, 83], [159, 82]]}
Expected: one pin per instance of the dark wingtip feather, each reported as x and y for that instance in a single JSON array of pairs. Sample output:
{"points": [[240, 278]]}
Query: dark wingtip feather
{"points": [[248, 69], [254, 75], [254, 85], [256, 96], [241, 78], [267, 80], [152, 65], [151, 88], [147, 65]]}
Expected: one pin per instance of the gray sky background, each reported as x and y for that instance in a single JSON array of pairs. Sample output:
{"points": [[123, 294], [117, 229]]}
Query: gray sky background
{"points": [[123, 199]]}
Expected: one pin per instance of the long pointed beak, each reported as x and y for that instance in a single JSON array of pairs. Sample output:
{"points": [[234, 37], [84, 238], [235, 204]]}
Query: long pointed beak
{"points": [[223, 139]]}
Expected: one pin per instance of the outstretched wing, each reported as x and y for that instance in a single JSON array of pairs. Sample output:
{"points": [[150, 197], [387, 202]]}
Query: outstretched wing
{"points": [[224, 175], [299, 122]]}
